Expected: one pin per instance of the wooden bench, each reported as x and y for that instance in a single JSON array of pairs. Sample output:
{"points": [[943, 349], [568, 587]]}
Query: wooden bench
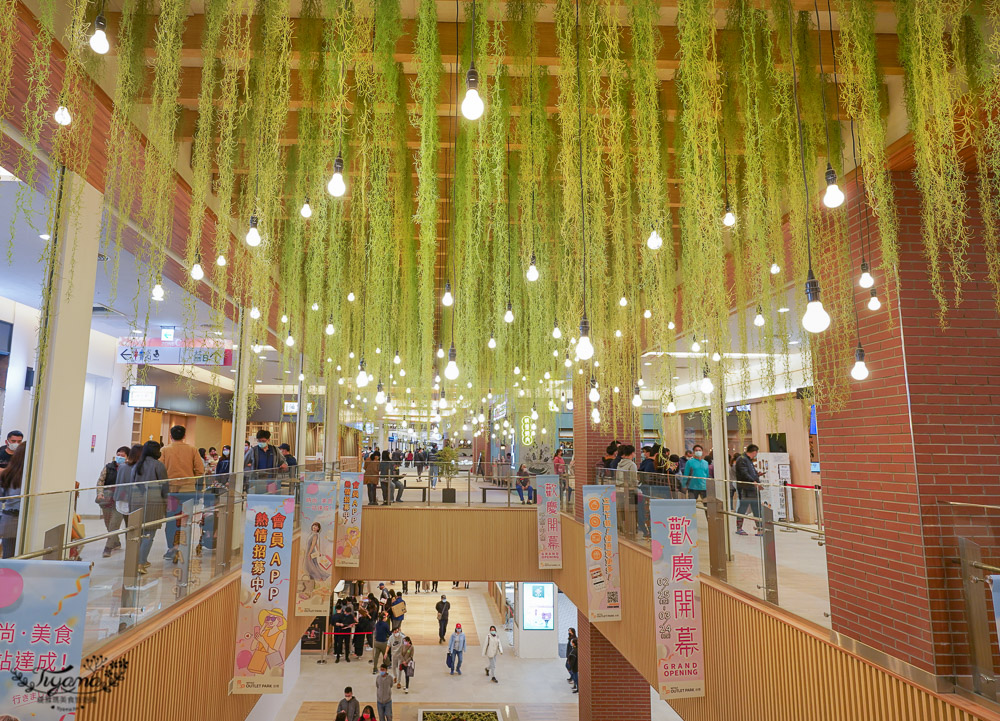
{"points": [[504, 489], [422, 489]]}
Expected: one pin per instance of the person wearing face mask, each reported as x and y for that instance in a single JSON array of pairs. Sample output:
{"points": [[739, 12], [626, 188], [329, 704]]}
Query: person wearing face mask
{"points": [[106, 498], [225, 463], [10, 508], [263, 457], [383, 694], [395, 647], [456, 647], [492, 647], [349, 706], [14, 439], [748, 487], [696, 473], [404, 663], [368, 714]]}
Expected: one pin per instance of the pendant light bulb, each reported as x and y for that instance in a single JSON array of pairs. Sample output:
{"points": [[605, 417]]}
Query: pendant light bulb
{"points": [[337, 187], [775, 268], [654, 241], [716, 357], [647, 313], [706, 383], [594, 394], [440, 351], [584, 348], [569, 404], [671, 406], [816, 319], [289, 341], [306, 211], [623, 301], [568, 363], [636, 398], [157, 292], [834, 196], [451, 370], [556, 333], [396, 359], [860, 370], [595, 416], [532, 274], [350, 297], [866, 280], [362, 380], [695, 346], [302, 377], [534, 414], [379, 394], [874, 303], [671, 325], [758, 320], [729, 219], [197, 272], [492, 343], [99, 39], [284, 317], [315, 306], [253, 235], [508, 317], [62, 116], [472, 105], [330, 329], [255, 312], [221, 261], [447, 299]]}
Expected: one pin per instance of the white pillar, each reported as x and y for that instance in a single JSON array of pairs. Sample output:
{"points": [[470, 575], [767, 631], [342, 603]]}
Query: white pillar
{"points": [[331, 421], [302, 417], [64, 337], [241, 389]]}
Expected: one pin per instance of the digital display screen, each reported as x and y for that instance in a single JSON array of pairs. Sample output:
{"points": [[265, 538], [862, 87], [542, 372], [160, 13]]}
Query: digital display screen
{"points": [[812, 420], [142, 396], [537, 608]]}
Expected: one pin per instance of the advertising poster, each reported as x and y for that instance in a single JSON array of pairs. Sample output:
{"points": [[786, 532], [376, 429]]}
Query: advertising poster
{"points": [[549, 522], [600, 510], [262, 625], [680, 654], [312, 639], [43, 605], [538, 608], [774, 470], [349, 528], [318, 521]]}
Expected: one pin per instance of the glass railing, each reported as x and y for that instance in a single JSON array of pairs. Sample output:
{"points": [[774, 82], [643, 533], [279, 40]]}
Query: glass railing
{"points": [[970, 536], [135, 572], [767, 541]]}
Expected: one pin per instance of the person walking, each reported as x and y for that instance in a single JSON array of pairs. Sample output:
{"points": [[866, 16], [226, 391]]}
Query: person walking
{"points": [[383, 694], [106, 498], [696, 473], [263, 457], [183, 464], [456, 647], [404, 663], [380, 641], [147, 470], [368, 714], [14, 439], [397, 608], [569, 645], [419, 459], [349, 705], [572, 663], [492, 647], [443, 607], [10, 485], [396, 640], [748, 487], [362, 630]]}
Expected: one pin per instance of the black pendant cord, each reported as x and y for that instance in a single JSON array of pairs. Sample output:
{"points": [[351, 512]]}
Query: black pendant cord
{"points": [[509, 241], [472, 47], [802, 140], [579, 119], [819, 50], [725, 169], [452, 209]]}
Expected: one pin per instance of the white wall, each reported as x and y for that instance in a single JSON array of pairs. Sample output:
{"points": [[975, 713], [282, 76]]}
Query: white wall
{"points": [[269, 704], [16, 412]]}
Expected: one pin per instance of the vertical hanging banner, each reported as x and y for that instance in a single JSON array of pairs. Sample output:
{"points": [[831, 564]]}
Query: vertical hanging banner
{"points": [[549, 522], [262, 625], [680, 667], [349, 527], [600, 510], [318, 520], [43, 605]]}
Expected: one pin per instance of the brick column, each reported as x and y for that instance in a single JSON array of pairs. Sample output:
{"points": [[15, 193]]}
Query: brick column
{"points": [[610, 687], [923, 429]]}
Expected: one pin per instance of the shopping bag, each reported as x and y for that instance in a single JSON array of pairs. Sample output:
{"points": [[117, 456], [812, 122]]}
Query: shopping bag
{"points": [[448, 661]]}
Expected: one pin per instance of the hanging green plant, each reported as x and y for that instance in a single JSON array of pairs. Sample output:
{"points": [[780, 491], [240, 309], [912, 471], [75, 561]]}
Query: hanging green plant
{"points": [[987, 141]]}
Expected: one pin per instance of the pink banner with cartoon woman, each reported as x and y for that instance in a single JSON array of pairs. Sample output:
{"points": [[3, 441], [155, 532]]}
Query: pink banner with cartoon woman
{"points": [[318, 517], [262, 625], [349, 524]]}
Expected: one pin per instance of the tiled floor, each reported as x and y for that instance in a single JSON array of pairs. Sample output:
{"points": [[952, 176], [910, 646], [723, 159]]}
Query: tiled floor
{"points": [[528, 689]]}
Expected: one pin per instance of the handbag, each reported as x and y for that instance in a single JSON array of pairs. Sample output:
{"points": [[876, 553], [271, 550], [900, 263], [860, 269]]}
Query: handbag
{"points": [[274, 659], [448, 661], [409, 669], [439, 617]]}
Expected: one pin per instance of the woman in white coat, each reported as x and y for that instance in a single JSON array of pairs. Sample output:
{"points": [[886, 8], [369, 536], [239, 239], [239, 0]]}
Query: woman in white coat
{"points": [[492, 647]]}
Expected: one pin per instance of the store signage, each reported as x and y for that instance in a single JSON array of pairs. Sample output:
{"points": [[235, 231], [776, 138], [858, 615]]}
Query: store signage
{"points": [[318, 520], [262, 621], [538, 607], [142, 396], [43, 606], [680, 655], [174, 355], [527, 432], [743, 408], [601, 545], [549, 522], [499, 411], [349, 527], [292, 407], [775, 470], [167, 333]]}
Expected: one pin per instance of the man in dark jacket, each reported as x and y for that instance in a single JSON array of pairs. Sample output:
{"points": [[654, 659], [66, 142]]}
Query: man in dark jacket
{"points": [[443, 607], [263, 457], [341, 633], [748, 487]]}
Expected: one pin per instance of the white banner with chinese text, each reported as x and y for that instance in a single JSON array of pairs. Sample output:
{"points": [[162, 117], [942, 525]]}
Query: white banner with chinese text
{"points": [[549, 522]]}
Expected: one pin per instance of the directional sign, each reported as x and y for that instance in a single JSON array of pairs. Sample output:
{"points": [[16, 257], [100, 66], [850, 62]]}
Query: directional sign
{"points": [[174, 355]]}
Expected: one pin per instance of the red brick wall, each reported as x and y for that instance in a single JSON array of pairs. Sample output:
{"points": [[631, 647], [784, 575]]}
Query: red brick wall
{"points": [[922, 429], [610, 687]]}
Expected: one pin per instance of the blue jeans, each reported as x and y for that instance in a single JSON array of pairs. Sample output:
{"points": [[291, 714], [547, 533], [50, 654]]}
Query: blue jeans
{"points": [[433, 475], [172, 526], [456, 658], [576, 679], [520, 493], [384, 711], [146, 543], [751, 504]]}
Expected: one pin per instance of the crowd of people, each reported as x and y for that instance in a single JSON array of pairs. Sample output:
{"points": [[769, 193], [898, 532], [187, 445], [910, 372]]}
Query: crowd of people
{"points": [[373, 623]]}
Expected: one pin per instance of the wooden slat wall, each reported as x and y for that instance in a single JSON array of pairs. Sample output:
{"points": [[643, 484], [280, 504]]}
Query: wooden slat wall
{"points": [[179, 666]]}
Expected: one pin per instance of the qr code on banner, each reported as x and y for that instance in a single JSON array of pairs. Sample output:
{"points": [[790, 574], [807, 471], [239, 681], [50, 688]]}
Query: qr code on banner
{"points": [[612, 596]]}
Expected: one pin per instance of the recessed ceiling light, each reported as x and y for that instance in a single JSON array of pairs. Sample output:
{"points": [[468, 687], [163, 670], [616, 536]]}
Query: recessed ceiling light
{"points": [[793, 342], [45, 236], [647, 364], [677, 378], [288, 373], [782, 310], [259, 380], [136, 331]]}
